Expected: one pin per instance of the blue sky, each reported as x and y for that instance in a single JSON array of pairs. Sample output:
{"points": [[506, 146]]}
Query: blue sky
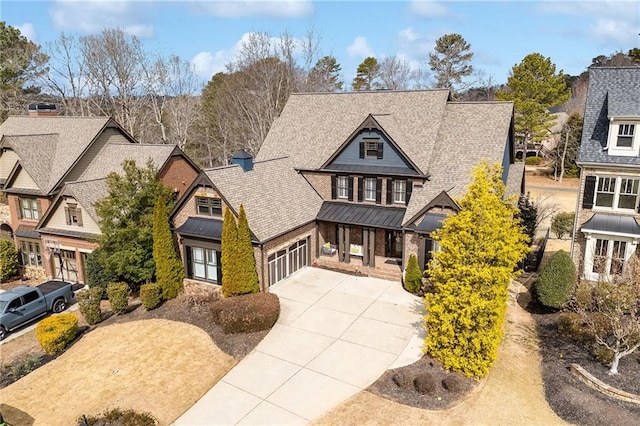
{"points": [[208, 32]]}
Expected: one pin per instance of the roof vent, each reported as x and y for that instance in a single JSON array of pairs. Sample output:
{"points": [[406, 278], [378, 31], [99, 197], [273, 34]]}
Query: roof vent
{"points": [[42, 110], [243, 159]]}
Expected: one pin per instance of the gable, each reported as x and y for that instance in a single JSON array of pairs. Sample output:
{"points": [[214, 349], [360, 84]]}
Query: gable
{"points": [[57, 217], [8, 160], [20, 179]]}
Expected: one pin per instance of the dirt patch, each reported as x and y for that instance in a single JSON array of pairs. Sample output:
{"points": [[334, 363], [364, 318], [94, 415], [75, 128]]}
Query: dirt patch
{"points": [[548, 181]]}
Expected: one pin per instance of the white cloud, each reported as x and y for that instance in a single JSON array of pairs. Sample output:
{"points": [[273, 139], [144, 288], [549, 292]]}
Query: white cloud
{"points": [[260, 8], [206, 64], [360, 48], [408, 35], [91, 16], [28, 31], [429, 9], [614, 30]]}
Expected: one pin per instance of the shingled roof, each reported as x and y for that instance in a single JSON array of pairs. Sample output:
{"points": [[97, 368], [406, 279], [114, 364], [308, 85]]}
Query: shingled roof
{"points": [[49, 146], [87, 193], [276, 198], [612, 92]]}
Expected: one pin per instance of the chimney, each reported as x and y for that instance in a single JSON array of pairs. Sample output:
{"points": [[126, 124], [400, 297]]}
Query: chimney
{"points": [[42, 110], [244, 159]]}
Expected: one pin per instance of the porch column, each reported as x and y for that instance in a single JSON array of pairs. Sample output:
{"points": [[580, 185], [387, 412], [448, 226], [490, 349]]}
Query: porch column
{"points": [[347, 245], [421, 253], [372, 246], [341, 243], [365, 246]]}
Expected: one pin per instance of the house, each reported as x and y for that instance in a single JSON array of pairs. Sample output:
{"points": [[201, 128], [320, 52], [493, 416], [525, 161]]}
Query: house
{"points": [[607, 229], [352, 181], [52, 169]]}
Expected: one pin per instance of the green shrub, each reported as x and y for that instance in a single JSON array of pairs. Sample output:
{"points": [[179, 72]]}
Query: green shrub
{"points": [[562, 224], [150, 295], [118, 297], [97, 274], [56, 332], [89, 304], [532, 161], [8, 260], [603, 354], [117, 416], [556, 282], [413, 275], [247, 313]]}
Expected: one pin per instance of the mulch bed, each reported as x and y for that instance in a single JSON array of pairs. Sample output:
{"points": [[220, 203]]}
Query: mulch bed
{"points": [[570, 398]]}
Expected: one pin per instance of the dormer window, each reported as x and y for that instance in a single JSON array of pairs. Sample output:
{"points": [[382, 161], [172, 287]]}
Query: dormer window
{"points": [[371, 148], [209, 206], [625, 136]]}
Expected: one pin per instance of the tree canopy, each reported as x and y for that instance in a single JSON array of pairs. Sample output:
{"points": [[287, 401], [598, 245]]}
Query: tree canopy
{"points": [[450, 61], [534, 86], [480, 247], [325, 75], [126, 221], [367, 75]]}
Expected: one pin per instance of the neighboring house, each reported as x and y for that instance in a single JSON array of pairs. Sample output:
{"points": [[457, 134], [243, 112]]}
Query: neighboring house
{"points": [[41, 155], [354, 181], [607, 232]]}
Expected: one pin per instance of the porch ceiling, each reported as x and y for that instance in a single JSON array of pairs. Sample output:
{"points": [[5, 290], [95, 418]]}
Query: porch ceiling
{"points": [[364, 215], [612, 224]]}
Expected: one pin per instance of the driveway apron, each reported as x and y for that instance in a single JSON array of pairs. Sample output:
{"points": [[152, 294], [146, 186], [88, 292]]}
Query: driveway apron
{"points": [[335, 336]]}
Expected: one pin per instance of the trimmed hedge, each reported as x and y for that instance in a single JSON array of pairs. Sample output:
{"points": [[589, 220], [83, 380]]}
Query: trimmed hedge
{"points": [[150, 296], [89, 304], [556, 282], [532, 161], [56, 332], [413, 275], [247, 313], [118, 297]]}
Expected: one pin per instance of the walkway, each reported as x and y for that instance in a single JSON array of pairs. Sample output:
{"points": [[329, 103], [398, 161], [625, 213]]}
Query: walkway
{"points": [[336, 335]]}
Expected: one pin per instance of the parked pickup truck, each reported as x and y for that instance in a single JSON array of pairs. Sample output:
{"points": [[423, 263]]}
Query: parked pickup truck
{"points": [[23, 304]]}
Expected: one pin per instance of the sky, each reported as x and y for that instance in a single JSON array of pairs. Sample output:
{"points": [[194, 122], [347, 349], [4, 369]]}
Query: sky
{"points": [[209, 32]]}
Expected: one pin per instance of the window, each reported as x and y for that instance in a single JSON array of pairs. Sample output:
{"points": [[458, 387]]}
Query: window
{"points": [[399, 191], [204, 263], [625, 136], [208, 206], [29, 208], [608, 257], [30, 297], [343, 186], [370, 189], [617, 193], [30, 254], [371, 148], [73, 215]]}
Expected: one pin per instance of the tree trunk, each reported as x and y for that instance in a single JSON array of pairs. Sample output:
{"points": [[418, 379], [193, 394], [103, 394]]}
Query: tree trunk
{"points": [[564, 154], [614, 364]]}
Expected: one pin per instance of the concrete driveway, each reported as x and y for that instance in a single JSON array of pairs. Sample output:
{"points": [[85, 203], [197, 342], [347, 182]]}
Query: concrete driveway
{"points": [[335, 336]]}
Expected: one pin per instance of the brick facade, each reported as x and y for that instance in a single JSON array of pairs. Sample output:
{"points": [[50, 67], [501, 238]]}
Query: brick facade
{"points": [[178, 174]]}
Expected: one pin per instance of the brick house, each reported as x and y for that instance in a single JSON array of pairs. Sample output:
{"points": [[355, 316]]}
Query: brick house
{"points": [[52, 169], [607, 229], [353, 181]]}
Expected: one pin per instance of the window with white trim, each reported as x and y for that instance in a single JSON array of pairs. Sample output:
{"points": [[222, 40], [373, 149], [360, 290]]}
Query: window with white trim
{"points": [[29, 208], [370, 189], [399, 191], [371, 148], [617, 193], [625, 136], [608, 257], [343, 186], [30, 253]]}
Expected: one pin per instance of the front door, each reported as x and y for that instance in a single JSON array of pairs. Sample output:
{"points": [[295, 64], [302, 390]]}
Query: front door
{"points": [[393, 244]]}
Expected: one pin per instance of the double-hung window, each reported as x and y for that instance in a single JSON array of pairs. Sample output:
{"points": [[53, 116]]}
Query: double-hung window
{"points": [[343, 186], [371, 148], [617, 192], [399, 191], [29, 208], [30, 253], [204, 264], [625, 136], [209, 206], [370, 189]]}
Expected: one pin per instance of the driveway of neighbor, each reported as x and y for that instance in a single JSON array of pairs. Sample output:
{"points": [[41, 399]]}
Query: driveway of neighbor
{"points": [[335, 336]]}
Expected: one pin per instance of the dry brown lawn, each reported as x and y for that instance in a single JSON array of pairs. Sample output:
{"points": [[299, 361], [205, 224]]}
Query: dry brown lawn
{"points": [[120, 366], [512, 394]]}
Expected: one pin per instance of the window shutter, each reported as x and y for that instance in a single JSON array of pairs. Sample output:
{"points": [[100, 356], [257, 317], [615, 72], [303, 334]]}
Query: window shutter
{"points": [[380, 148], [389, 191], [589, 191], [361, 149], [18, 208], [360, 188], [187, 251], [219, 267], [79, 214], [378, 191], [333, 187], [350, 188], [409, 189], [39, 207], [67, 215]]}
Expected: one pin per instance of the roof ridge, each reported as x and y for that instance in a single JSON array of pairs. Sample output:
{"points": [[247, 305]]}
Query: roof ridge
{"points": [[370, 91], [228, 166], [271, 159], [614, 67], [45, 117], [84, 181], [31, 134]]}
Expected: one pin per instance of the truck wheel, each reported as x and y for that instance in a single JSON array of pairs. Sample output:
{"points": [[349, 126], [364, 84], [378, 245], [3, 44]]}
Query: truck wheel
{"points": [[3, 333], [59, 306]]}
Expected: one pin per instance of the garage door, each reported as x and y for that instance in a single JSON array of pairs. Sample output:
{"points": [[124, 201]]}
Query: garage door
{"points": [[285, 262]]}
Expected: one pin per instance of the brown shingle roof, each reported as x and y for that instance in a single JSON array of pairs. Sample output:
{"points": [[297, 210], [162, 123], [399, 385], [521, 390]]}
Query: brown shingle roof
{"points": [[86, 193], [276, 198], [56, 142]]}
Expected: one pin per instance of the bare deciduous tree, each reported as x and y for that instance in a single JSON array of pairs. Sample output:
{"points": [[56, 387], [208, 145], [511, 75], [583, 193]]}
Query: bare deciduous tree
{"points": [[395, 73]]}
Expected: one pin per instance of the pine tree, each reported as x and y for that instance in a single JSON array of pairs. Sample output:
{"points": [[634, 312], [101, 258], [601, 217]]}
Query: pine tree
{"points": [[325, 76], [169, 270], [481, 246], [413, 275], [246, 274], [367, 74], [229, 252], [450, 60]]}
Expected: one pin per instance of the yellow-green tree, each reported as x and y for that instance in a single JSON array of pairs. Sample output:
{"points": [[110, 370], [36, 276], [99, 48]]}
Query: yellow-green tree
{"points": [[169, 270], [246, 275], [481, 246], [229, 252]]}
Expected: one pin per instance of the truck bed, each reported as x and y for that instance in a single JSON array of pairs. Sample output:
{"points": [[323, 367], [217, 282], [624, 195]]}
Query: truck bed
{"points": [[51, 286]]}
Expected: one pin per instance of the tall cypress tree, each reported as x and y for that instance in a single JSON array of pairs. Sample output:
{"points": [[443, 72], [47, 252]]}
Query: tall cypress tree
{"points": [[247, 276], [229, 252], [169, 271]]}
